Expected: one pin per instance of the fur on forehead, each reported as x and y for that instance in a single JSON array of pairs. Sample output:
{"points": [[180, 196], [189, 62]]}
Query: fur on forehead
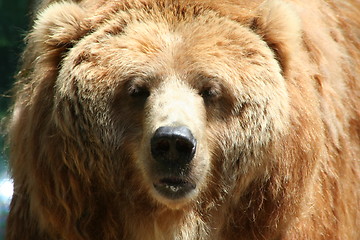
{"points": [[62, 24]]}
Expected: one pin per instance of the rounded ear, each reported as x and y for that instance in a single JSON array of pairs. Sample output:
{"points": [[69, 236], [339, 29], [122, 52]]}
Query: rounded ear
{"points": [[60, 24], [56, 28], [280, 27]]}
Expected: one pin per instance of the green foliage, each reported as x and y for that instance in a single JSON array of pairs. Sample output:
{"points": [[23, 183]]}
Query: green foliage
{"points": [[13, 26]]}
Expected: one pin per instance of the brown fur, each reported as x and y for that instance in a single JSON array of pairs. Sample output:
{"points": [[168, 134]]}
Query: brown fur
{"points": [[278, 138]]}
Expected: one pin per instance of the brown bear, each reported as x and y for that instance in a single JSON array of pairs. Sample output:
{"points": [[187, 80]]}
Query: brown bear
{"points": [[185, 120]]}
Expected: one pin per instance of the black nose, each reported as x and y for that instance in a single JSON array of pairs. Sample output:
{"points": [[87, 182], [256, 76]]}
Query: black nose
{"points": [[173, 145]]}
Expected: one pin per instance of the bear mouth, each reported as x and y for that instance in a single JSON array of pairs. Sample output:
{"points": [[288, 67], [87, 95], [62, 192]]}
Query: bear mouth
{"points": [[174, 187]]}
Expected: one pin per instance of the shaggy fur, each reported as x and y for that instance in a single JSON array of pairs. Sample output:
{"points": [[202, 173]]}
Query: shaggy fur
{"points": [[270, 90]]}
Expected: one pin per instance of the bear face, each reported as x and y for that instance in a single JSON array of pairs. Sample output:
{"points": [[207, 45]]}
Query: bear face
{"points": [[205, 73]]}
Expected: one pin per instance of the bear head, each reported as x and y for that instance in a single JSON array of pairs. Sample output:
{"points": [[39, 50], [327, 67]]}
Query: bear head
{"points": [[165, 102]]}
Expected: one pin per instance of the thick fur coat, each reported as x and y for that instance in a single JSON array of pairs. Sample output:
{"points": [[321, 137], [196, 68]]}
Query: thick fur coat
{"points": [[268, 93]]}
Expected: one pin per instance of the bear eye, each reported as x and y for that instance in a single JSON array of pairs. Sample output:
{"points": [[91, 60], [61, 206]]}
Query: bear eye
{"points": [[141, 92], [208, 92], [209, 87]]}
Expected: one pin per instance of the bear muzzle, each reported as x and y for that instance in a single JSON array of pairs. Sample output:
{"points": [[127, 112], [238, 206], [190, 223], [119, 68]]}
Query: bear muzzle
{"points": [[173, 149], [173, 145]]}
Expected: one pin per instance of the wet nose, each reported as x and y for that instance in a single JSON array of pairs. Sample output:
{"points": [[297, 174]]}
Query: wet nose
{"points": [[173, 145]]}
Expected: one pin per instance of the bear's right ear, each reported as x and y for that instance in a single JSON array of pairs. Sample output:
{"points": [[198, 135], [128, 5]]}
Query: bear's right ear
{"points": [[57, 27]]}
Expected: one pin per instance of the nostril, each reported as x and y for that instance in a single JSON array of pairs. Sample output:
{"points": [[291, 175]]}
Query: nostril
{"points": [[162, 146], [184, 146], [173, 144]]}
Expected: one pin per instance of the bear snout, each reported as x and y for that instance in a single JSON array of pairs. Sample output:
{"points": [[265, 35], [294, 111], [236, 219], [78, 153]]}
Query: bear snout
{"points": [[173, 146], [173, 149]]}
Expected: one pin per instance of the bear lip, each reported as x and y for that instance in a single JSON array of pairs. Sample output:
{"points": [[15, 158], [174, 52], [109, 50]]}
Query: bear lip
{"points": [[174, 187]]}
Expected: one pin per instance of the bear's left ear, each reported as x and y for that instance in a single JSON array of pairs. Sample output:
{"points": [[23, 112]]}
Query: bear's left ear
{"points": [[280, 27]]}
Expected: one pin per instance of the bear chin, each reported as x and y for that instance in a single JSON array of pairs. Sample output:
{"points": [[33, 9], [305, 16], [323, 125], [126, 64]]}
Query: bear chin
{"points": [[175, 195], [174, 188]]}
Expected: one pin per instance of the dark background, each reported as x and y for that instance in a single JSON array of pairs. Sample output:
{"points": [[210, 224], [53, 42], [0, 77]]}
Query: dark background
{"points": [[14, 23], [13, 27]]}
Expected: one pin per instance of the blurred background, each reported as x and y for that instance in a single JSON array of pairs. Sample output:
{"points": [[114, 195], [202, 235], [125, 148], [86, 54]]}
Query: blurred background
{"points": [[14, 23]]}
